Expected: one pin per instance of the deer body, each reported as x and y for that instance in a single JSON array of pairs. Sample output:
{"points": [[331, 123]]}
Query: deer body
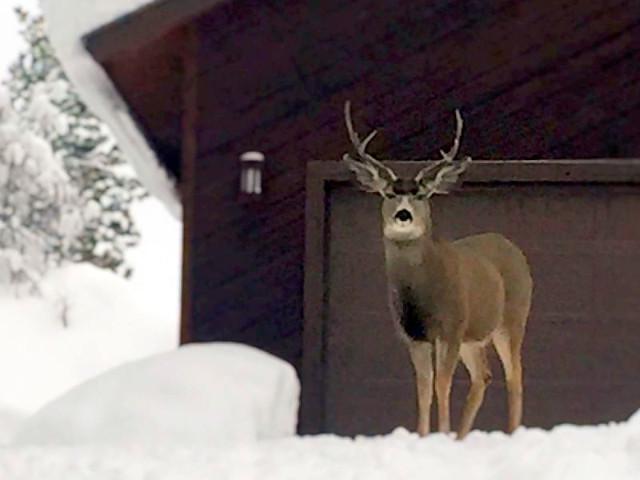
{"points": [[449, 300], [447, 280]]}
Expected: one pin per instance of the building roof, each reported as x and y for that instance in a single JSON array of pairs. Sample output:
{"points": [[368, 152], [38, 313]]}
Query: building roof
{"points": [[88, 36], [143, 25]]}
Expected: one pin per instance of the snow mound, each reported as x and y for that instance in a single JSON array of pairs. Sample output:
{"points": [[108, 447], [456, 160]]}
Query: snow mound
{"points": [[10, 422], [199, 394], [634, 421], [90, 320]]}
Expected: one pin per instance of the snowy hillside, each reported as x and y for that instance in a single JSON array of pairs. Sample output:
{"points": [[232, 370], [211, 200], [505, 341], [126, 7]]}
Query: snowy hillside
{"points": [[110, 320]]}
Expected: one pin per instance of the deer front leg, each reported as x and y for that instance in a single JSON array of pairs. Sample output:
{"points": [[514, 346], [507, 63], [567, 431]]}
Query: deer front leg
{"points": [[447, 352], [422, 359], [474, 357]]}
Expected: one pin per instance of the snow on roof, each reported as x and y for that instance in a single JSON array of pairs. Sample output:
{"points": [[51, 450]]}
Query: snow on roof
{"points": [[67, 22]]}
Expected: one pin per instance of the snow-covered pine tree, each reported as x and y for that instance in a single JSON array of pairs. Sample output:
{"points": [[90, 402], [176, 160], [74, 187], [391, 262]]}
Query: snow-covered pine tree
{"points": [[48, 104], [38, 203]]}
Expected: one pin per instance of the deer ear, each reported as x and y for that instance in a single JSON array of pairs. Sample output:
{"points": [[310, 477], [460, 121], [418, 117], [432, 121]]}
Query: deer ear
{"points": [[367, 175], [446, 178]]}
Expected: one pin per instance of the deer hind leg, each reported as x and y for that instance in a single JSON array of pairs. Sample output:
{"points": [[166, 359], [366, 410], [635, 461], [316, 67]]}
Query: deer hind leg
{"points": [[446, 361], [422, 359], [509, 347], [474, 357]]}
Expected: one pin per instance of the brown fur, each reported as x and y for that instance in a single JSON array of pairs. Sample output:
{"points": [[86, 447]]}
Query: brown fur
{"points": [[472, 292]]}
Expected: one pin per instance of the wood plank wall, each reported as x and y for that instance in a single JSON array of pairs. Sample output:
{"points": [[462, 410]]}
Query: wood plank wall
{"points": [[534, 79]]}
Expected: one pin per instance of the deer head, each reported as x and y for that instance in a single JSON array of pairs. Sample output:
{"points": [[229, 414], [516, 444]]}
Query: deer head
{"points": [[406, 213]]}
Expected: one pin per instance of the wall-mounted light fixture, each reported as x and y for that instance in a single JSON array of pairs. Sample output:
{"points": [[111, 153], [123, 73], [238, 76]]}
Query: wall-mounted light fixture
{"points": [[251, 173]]}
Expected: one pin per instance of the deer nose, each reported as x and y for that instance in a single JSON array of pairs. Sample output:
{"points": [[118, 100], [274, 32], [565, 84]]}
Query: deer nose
{"points": [[403, 215]]}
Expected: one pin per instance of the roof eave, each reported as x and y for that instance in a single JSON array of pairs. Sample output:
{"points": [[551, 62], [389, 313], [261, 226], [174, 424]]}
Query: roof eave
{"points": [[143, 25]]}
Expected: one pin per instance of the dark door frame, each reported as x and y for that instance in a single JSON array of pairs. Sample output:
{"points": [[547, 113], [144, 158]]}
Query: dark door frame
{"points": [[320, 176]]}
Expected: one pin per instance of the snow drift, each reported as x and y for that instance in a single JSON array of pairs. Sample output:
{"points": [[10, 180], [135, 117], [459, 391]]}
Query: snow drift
{"points": [[199, 394]]}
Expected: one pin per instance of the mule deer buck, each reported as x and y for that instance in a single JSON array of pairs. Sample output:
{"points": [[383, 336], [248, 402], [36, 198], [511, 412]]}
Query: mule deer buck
{"points": [[449, 300]]}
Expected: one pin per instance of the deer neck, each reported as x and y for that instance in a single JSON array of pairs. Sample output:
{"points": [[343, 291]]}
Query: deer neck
{"points": [[405, 260]]}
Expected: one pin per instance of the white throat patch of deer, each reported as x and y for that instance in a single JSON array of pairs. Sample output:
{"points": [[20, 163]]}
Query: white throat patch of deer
{"points": [[449, 300]]}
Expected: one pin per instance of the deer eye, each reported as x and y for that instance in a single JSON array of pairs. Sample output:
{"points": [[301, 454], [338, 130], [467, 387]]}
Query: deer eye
{"points": [[390, 195]]}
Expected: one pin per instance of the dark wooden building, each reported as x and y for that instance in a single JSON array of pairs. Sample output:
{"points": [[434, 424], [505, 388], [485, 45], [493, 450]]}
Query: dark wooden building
{"points": [[299, 271]]}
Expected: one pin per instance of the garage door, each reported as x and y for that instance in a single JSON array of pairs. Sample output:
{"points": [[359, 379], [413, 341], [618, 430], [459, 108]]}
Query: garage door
{"points": [[582, 347]]}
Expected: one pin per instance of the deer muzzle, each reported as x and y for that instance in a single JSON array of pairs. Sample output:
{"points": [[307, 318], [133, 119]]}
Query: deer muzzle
{"points": [[403, 216]]}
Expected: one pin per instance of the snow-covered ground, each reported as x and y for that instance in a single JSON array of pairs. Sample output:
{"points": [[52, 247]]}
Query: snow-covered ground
{"points": [[567, 453], [110, 320]]}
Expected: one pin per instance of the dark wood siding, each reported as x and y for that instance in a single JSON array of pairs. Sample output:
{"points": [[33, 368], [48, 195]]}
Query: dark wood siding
{"points": [[531, 77], [533, 80]]}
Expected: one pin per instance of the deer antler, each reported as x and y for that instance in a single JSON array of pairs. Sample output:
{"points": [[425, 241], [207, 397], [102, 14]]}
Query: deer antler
{"points": [[451, 154], [361, 146], [448, 158]]}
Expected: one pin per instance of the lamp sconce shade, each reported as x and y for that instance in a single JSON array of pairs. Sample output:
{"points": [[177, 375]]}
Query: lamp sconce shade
{"points": [[251, 173]]}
